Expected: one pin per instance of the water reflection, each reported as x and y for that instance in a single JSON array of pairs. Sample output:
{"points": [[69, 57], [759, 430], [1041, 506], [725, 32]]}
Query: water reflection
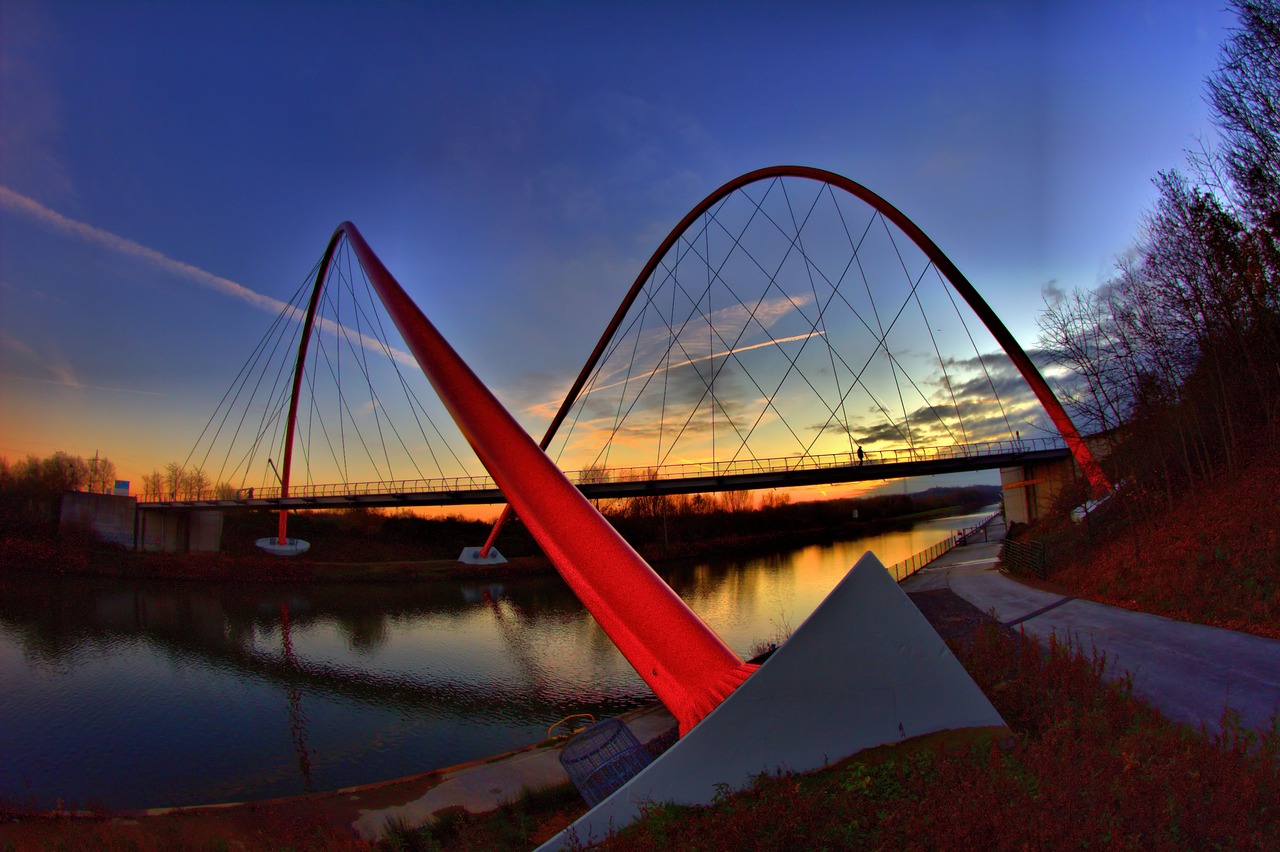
{"points": [[297, 720], [136, 694]]}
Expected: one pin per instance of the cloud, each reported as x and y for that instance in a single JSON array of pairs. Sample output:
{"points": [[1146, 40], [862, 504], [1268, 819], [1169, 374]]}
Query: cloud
{"points": [[62, 372], [656, 345], [700, 359], [1052, 293], [33, 209], [13, 344], [34, 295], [32, 131], [69, 381], [36, 211]]}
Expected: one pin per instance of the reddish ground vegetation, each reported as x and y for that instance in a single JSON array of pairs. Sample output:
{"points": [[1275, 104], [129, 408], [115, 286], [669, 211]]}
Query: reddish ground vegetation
{"points": [[1087, 766], [1213, 556]]}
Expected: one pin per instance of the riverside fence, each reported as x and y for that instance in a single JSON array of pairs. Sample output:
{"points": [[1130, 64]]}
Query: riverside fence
{"points": [[1027, 557], [907, 567]]}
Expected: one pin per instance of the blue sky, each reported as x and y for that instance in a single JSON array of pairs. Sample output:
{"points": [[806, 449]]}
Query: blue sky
{"points": [[515, 164]]}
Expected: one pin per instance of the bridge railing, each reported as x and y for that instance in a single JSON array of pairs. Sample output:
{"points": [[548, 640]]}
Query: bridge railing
{"points": [[816, 461], [916, 561], [595, 476]]}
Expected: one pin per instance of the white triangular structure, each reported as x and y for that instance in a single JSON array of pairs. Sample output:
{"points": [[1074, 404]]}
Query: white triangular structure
{"points": [[865, 669], [471, 556]]}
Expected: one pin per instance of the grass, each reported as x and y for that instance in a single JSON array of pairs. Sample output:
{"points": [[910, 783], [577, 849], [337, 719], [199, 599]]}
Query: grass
{"points": [[528, 821], [1088, 766], [1212, 556]]}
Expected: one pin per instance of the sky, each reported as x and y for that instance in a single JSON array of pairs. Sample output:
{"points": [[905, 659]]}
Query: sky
{"points": [[170, 171]]}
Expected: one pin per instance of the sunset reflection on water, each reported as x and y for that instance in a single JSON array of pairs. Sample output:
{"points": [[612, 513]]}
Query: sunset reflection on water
{"points": [[137, 694]]}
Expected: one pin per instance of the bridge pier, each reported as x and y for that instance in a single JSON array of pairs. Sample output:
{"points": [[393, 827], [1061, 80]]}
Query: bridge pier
{"points": [[158, 531], [1032, 488]]}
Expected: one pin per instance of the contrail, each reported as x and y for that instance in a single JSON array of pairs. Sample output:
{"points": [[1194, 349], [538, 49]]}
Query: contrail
{"points": [[544, 408], [33, 209], [78, 385], [702, 358]]}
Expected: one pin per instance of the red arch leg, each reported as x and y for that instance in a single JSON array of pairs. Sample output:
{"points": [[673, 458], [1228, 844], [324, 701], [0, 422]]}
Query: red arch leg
{"points": [[686, 664], [291, 421]]}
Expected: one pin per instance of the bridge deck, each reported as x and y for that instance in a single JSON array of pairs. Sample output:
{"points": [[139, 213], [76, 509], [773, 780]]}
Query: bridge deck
{"points": [[634, 482]]}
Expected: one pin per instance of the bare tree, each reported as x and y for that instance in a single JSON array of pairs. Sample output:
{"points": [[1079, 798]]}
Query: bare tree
{"points": [[736, 501], [153, 486], [774, 499], [102, 475], [195, 482], [1244, 96], [1080, 334], [172, 481], [64, 472]]}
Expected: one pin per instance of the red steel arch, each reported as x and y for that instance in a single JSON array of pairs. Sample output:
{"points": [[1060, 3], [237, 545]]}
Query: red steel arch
{"points": [[1097, 478], [686, 664], [304, 342], [682, 660]]}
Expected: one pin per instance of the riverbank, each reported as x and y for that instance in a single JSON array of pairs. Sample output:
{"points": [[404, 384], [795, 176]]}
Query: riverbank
{"points": [[78, 558], [325, 820], [81, 556]]}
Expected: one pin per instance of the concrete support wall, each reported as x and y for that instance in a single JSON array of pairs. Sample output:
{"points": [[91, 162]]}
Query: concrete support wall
{"points": [[1030, 491], [865, 669], [179, 532], [107, 516]]}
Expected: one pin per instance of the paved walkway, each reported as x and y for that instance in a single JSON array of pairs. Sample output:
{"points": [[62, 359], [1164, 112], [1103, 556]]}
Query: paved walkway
{"points": [[1189, 671]]}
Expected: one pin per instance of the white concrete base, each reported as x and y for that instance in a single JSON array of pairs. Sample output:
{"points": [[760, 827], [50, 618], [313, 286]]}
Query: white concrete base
{"points": [[865, 669], [291, 546], [471, 556]]}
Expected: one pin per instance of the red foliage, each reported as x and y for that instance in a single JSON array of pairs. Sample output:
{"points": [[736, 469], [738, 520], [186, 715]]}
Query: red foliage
{"points": [[1213, 557], [1089, 766]]}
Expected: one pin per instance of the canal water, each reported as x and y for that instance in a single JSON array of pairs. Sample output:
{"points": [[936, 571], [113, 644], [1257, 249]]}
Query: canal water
{"points": [[137, 694]]}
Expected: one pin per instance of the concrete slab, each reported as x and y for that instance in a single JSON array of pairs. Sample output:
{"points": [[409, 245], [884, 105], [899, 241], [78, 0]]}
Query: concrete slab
{"points": [[476, 789], [471, 556], [863, 670]]}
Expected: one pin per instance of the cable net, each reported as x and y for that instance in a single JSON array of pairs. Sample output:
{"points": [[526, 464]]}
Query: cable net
{"points": [[367, 420], [792, 320]]}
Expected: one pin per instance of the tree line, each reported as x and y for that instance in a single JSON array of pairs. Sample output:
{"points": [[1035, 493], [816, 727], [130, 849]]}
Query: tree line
{"points": [[178, 482], [1177, 357], [665, 520], [31, 489]]}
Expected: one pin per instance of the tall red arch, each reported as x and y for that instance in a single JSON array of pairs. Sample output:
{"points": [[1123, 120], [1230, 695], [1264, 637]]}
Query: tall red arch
{"points": [[1061, 420], [688, 667], [682, 660]]}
